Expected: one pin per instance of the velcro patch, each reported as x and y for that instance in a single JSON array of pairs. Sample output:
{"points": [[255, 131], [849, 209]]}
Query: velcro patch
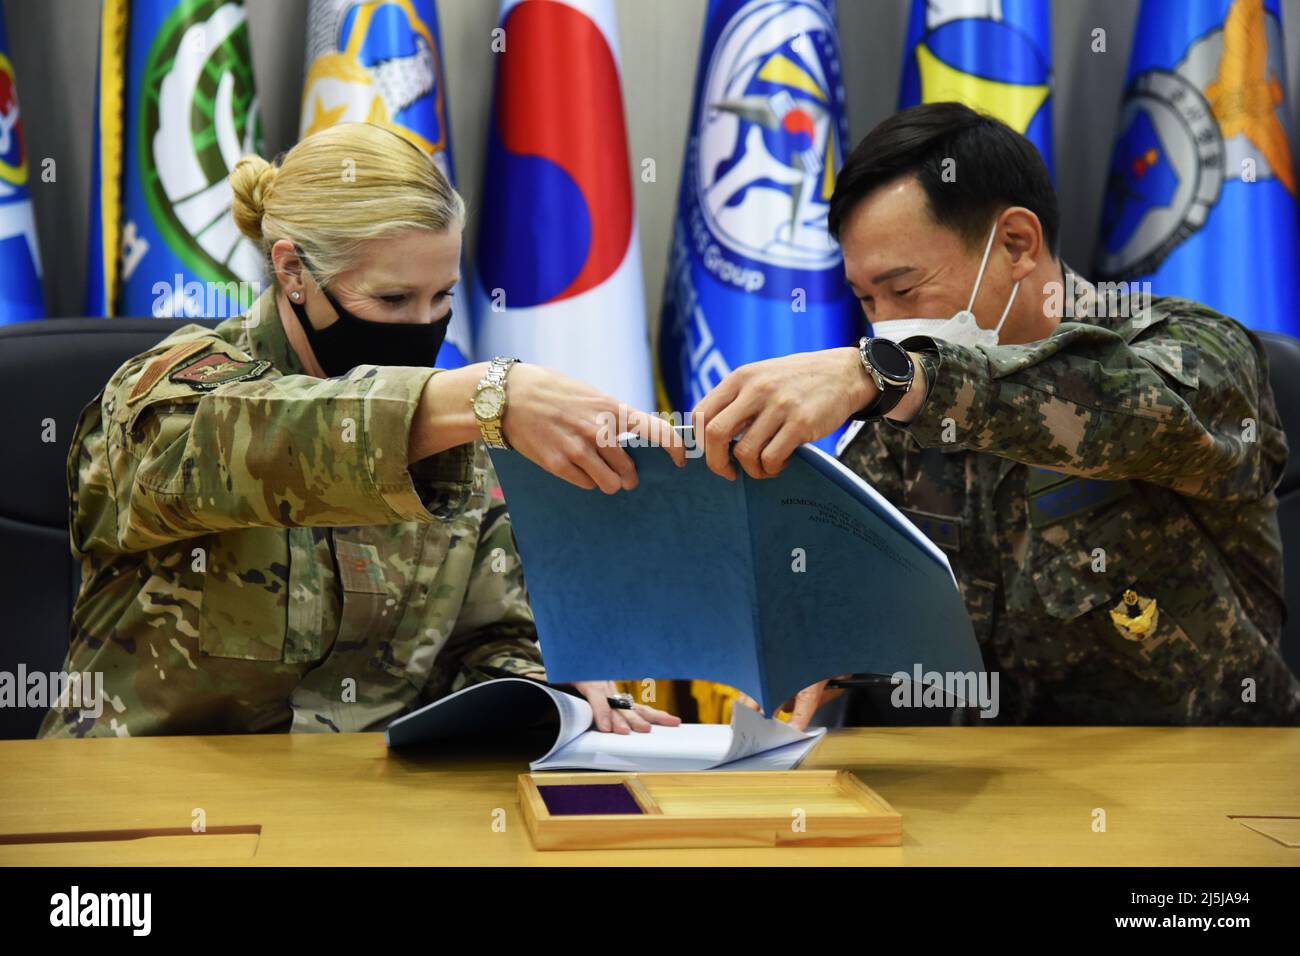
{"points": [[943, 530], [1040, 479], [163, 364], [218, 369], [1072, 498]]}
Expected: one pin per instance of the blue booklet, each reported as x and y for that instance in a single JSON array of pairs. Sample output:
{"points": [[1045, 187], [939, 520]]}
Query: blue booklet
{"points": [[766, 585]]}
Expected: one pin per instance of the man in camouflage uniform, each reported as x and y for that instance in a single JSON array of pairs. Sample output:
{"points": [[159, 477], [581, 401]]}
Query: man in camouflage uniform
{"points": [[1143, 482], [321, 584], [1102, 486]]}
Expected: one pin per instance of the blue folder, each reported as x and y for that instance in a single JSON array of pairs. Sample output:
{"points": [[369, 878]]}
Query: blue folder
{"points": [[693, 576]]}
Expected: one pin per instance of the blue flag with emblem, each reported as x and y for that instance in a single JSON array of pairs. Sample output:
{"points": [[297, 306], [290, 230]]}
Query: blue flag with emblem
{"points": [[175, 109], [20, 260], [380, 61], [993, 55], [1201, 196], [753, 273]]}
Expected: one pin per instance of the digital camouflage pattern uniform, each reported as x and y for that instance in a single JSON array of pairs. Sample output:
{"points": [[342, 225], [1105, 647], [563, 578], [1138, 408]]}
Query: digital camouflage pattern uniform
{"points": [[1153, 438], [258, 556]]}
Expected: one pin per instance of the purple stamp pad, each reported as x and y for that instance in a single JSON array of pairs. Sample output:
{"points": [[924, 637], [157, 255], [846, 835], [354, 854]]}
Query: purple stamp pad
{"points": [[584, 799]]}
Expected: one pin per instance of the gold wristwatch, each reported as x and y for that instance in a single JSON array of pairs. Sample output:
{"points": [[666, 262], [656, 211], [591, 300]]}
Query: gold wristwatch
{"points": [[489, 402]]}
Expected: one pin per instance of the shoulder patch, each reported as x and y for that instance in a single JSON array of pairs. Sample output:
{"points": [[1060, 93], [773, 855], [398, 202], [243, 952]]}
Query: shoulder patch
{"points": [[218, 369], [163, 364]]}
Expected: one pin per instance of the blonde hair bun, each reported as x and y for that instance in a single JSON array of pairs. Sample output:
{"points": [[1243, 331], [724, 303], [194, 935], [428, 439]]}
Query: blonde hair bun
{"points": [[250, 180], [338, 188]]}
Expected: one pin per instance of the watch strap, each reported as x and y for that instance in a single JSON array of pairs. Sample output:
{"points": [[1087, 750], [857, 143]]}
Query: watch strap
{"points": [[490, 429], [884, 403]]}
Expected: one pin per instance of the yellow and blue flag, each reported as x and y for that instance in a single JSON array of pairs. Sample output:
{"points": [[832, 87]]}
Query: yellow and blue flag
{"points": [[753, 273], [175, 109], [995, 56], [380, 61], [1201, 197], [20, 260]]}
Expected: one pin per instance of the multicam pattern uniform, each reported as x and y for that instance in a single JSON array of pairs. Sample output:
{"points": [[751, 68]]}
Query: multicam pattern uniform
{"points": [[258, 556], [1170, 421]]}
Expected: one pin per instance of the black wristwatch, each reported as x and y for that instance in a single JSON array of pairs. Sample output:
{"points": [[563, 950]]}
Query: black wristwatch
{"points": [[891, 368]]}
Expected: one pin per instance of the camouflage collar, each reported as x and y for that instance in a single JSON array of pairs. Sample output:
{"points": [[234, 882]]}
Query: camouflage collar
{"points": [[1119, 306], [266, 338], [1073, 280]]}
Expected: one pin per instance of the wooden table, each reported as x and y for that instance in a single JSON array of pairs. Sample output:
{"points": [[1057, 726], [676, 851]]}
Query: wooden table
{"points": [[968, 795]]}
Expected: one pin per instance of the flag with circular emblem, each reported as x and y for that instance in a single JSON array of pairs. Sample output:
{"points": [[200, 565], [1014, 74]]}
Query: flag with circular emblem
{"points": [[753, 273], [20, 260], [380, 61], [993, 55], [1201, 196], [175, 109]]}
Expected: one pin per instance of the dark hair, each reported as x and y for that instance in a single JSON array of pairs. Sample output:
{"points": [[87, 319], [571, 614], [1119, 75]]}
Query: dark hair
{"points": [[995, 167]]}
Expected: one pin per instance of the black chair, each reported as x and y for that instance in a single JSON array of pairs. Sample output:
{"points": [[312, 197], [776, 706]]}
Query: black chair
{"points": [[1284, 374], [49, 371]]}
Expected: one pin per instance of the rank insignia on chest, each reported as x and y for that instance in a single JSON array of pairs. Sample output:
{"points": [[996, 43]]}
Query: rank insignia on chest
{"points": [[1135, 617], [218, 369]]}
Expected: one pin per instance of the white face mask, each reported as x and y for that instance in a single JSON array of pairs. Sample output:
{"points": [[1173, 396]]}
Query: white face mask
{"points": [[961, 329]]}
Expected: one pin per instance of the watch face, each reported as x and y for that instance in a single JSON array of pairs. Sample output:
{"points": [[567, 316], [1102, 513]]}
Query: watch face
{"points": [[889, 358], [488, 402]]}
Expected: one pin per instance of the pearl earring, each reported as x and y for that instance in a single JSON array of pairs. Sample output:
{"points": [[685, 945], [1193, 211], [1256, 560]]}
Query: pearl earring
{"points": [[295, 296]]}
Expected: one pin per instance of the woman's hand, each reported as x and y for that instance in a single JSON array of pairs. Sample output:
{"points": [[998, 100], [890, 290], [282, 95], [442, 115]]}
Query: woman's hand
{"points": [[571, 429], [566, 426], [608, 718]]}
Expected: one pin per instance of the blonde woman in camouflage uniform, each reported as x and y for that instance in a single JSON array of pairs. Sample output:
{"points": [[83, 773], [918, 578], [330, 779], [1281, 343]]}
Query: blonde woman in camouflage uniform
{"points": [[288, 522]]}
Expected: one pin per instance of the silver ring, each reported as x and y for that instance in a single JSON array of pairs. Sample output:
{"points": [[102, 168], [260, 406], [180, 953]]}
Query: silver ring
{"points": [[621, 701]]}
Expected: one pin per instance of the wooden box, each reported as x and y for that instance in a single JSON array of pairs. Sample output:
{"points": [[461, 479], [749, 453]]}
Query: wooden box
{"points": [[705, 809]]}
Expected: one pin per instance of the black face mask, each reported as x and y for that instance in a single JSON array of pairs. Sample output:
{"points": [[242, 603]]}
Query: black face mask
{"points": [[353, 341]]}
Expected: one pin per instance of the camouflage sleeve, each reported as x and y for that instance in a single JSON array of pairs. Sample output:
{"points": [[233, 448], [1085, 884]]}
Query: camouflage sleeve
{"points": [[1184, 404], [264, 450], [495, 624]]}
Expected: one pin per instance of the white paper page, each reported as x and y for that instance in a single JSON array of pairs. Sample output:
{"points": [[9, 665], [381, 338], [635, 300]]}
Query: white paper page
{"points": [[575, 716], [753, 733], [781, 758], [681, 748], [684, 747]]}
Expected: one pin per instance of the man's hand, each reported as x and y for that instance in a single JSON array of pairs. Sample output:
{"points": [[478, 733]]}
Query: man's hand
{"points": [[801, 706], [779, 404], [807, 702], [608, 718]]}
